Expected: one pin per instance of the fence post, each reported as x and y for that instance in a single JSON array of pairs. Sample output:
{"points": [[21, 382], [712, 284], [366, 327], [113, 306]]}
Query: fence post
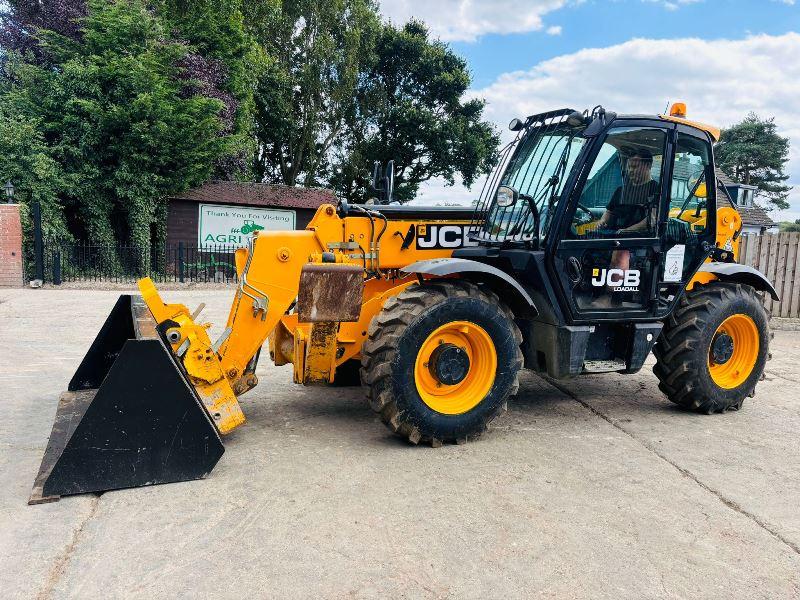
{"points": [[180, 262], [57, 267], [38, 245]]}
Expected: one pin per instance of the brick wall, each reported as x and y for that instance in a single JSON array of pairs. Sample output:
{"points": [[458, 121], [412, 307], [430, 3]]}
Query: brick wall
{"points": [[10, 246]]}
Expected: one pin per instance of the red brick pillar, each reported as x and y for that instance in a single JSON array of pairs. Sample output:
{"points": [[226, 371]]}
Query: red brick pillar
{"points": [[10, 246]]}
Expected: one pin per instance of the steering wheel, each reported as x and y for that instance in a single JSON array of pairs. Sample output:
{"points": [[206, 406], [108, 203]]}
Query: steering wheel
{"points": [[589, 217]]}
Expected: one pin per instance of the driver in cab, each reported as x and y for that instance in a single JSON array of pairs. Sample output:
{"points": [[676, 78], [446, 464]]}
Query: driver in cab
{"points": [[635, 198], [633, 208]]}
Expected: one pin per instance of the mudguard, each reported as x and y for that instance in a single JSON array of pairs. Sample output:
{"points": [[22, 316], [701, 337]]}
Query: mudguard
{"points": [[475, 270], [740, 274]]}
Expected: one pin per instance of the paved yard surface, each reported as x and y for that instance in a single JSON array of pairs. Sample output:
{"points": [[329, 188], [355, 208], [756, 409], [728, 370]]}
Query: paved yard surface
{"points": [[592, 488]]}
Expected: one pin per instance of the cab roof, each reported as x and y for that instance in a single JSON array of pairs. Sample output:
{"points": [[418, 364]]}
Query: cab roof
{"points": [[714, 132]]}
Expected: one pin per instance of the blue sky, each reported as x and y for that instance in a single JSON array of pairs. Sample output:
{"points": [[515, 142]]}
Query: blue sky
{"points": [[601, 23], [723, 57]]}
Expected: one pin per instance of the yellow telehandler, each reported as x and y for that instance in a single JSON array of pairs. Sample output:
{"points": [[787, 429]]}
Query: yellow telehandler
{"points": [[598, 239]]}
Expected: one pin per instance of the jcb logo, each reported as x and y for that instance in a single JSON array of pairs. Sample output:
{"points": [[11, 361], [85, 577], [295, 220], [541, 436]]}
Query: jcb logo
{"points": [[431, 237], [618, 280]]}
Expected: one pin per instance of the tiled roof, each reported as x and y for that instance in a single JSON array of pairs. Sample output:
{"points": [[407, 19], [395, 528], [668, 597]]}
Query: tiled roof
{"points": [[723, 178], [258, 194], [755, 215], [751, 215]]}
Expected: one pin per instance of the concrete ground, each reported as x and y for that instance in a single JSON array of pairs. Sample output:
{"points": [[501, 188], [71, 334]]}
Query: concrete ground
{"points": [[592, 488]]}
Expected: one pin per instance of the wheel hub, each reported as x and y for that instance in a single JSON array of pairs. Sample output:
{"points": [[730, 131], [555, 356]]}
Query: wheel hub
{"points": [[455, 367], [449, 364], [721, 348]]}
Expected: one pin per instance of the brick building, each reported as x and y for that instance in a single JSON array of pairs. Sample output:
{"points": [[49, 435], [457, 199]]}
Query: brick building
{"points": [[224, 212]]}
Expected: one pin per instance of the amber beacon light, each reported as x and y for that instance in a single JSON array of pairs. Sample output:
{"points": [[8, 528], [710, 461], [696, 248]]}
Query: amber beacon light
{"points": [[678, 109]]}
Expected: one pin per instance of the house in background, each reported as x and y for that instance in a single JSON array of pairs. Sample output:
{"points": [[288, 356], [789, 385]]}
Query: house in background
{"points": [[755, 220], [225, 213]]}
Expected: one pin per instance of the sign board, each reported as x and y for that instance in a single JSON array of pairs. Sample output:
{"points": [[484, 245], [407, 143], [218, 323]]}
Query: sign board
{"points": [[219, 225], [673, 265]]}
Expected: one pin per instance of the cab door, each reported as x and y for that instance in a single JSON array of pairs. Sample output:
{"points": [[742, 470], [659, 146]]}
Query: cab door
{"points": [[688, 232], [607, 260]]}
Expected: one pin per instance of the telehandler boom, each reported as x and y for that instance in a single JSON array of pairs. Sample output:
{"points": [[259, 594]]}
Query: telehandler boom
{"points": [[598, 239]]}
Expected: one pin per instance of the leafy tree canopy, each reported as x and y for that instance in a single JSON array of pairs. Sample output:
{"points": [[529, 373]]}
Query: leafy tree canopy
{"points": [[753, 153], [113, 110], [411, 108], [345, 90], [306, 98], [25, 160], [109, 106], [786, 226]]}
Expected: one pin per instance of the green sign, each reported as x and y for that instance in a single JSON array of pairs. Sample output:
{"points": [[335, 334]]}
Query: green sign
{"points": [[232, 225]]}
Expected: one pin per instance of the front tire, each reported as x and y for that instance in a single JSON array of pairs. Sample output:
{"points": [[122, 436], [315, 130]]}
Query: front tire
{"points": [[440, 361], [713, 349]]}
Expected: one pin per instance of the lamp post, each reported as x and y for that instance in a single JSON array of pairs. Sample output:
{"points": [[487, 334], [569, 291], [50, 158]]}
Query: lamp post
{"points": [[9, 188]]}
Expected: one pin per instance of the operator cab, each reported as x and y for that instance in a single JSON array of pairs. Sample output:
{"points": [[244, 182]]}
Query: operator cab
{"points": [[617, 205]]}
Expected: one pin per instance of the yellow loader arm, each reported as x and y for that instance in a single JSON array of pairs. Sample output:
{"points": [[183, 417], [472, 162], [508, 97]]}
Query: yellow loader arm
{"points": [[336, 272]]}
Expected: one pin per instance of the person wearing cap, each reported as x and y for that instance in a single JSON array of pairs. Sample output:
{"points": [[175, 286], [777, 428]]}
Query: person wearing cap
{"points": [[633, 207]]}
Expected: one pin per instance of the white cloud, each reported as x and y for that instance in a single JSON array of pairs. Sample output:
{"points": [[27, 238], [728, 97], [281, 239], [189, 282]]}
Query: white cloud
{"points": [[675, 4], [721, 81], [554, 30], [466, 20]]}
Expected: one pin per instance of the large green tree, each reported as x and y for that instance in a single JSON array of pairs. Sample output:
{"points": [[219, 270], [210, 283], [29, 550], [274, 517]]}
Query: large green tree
{"points": [[114, 110], [27, 161], [306, 97], [411, 108], [752, 152], [223, 62]]}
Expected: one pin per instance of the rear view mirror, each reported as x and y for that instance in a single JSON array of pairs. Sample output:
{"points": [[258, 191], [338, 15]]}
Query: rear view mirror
{"points": [[506, 196], [376, 173], [389, 181]]}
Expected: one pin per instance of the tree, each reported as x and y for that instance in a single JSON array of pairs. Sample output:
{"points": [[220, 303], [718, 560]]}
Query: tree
{"points": [[113, 109], [786, 226], [223, 62], [26, 161], [307, 95], [221, 59], [752, 152], [411, 108]]}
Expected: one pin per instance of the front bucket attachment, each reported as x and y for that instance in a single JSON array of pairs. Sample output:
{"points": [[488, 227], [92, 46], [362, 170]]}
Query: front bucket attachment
{"points": [[130, 416]]}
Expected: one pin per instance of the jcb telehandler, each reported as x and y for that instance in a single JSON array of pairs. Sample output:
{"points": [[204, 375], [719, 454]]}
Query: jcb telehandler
{"points": [[598, 238]]}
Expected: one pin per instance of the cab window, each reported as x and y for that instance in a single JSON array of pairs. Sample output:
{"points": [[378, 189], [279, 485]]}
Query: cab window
{"points": [[689, 190], [622, 193]]}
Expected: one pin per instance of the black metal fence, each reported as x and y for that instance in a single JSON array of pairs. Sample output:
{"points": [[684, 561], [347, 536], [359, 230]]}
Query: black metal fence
{"points": [[79, 261]]}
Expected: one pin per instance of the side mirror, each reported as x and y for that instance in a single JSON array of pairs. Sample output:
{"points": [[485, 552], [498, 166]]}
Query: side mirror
{"points": [[506, 196], [389, 181], [376, 173]]}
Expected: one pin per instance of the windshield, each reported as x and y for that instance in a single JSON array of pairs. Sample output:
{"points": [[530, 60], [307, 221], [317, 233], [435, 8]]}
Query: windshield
{"points": [[538, 169]]}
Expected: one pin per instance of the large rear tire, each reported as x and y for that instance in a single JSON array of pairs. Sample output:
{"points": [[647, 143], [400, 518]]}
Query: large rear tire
{"points": [[712, 351], [440, 361]]}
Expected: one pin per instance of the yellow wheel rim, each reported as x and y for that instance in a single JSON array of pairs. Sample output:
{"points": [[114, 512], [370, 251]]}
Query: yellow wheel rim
{"points": [[730, 368], [459, 338]]}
